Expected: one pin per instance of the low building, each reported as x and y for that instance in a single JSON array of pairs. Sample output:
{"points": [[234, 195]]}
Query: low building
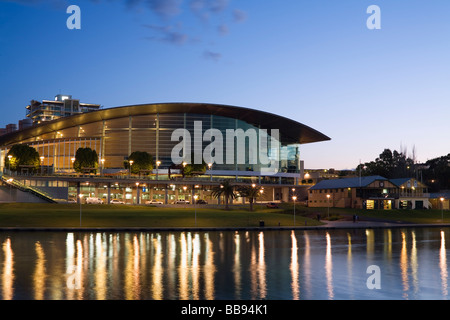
{"points": [[412, 194], [372, 192]]}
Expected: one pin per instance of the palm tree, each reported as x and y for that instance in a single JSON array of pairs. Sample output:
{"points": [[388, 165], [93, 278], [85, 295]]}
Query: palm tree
{"points": [[226, 189], [250, 192]]}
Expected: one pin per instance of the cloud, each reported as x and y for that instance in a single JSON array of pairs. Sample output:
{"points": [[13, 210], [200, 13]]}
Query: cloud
{"points": [[223, 29], [209, 55], [165, 8], [167, 34], [239, 15]]}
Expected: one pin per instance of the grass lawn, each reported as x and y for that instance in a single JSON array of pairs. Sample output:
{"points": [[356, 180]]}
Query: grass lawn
{"points": [[104, 216], [409, 216]]}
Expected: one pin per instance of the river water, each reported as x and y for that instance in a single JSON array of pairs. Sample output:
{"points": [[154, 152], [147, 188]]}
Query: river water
{"points": [[397, 263]]}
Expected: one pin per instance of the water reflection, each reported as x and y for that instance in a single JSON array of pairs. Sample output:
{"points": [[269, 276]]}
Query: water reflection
{"points": [[329, 268], [443, 265], [8, 270], [224, 265]]}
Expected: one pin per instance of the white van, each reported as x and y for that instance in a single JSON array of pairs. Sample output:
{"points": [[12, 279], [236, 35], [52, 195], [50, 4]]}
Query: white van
{"points": [[93, 200]]}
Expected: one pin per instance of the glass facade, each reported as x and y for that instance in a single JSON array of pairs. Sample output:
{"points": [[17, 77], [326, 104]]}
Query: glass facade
{"points": [[117, 138]]}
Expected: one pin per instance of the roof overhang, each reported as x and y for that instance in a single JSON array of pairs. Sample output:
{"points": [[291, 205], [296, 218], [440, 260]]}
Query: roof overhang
{"points": [[288, 128]]}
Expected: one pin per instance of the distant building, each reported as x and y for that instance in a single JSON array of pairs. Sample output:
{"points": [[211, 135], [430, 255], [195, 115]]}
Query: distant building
{"points": [[25, 123], [62, 106], [11, 128], [373, 192]]}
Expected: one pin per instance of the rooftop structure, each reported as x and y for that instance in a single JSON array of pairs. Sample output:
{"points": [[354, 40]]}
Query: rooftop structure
{"points": [[62, 106]]}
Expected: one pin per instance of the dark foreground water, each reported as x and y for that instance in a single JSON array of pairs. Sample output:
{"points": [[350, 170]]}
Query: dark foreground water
{"points": [[282, 265]]}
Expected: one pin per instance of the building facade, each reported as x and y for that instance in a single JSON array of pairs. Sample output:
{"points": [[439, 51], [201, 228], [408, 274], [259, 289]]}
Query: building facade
{"points": [[373, 192], [245, 145]]}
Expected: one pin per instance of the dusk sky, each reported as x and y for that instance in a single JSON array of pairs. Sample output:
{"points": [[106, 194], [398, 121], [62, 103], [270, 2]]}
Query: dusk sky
{"points": [[313, 61]]}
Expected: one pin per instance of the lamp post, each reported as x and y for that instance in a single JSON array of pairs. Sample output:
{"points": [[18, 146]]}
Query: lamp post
{"points": [[131, 163], [442, 208], [210, 173], [157, 169], [294, 198], [328, 200], [73, 160], [137, 193], [42, 163], [102, 160], [195, 208], [184, 193], [81, 198]]}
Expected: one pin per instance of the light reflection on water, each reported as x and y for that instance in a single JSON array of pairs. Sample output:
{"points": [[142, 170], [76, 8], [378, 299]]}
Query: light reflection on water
{"points": [[286, 265]]}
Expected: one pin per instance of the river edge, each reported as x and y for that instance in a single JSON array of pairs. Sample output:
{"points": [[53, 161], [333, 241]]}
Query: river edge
{"points": [[334, 225]]}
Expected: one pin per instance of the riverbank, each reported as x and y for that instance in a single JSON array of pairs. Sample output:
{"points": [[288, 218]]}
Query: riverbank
{"points": [[72, 217]]}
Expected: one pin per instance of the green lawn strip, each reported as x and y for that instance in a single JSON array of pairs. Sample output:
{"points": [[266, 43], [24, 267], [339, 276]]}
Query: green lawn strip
{"points": [[68, 215]]}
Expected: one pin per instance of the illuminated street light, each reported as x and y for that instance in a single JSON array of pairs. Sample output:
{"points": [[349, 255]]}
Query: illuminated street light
{"points": [[294, 198], [195, 208], [442, 208], [209, 168], [81, 197], [328, 200], [131, 163], [42, 163], [102, 160], [157, 169]]}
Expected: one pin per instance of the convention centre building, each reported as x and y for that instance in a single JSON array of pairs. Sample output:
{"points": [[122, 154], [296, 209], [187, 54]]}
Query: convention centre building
{"points": [[240, 144]]}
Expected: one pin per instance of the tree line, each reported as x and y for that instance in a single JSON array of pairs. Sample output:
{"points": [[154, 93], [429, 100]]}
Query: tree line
{"points": [[87, 161], [435, 173]]}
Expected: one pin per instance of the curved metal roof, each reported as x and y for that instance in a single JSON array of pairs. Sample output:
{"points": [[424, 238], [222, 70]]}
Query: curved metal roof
{"points": [[293, 130]]}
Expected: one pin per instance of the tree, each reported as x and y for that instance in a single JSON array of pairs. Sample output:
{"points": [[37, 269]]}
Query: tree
{"points": [[250, 192], [193, 168], [22, 155], [226, 189], [389, 165], [142, 161], [437, 173], [86, 159]]}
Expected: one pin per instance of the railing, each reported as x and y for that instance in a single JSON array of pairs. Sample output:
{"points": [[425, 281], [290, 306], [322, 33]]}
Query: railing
{"points": [[20, 186]]}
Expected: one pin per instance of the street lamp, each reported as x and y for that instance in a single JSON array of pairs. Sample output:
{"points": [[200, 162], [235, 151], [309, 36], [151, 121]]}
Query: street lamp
{"points": [[294, 198], [209, 168], [102, 160], [157, 169], [184, 188], [81, 197], [195, 208], [442, 208], [131, 163], [328, 200], [42, 163], [137, 193]]}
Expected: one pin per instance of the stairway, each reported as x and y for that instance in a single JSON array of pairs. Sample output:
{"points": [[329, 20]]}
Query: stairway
{"points": [[34, 191]]}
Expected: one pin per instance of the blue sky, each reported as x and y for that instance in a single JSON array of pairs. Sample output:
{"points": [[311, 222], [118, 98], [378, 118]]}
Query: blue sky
{"points": [[312, 61]]}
